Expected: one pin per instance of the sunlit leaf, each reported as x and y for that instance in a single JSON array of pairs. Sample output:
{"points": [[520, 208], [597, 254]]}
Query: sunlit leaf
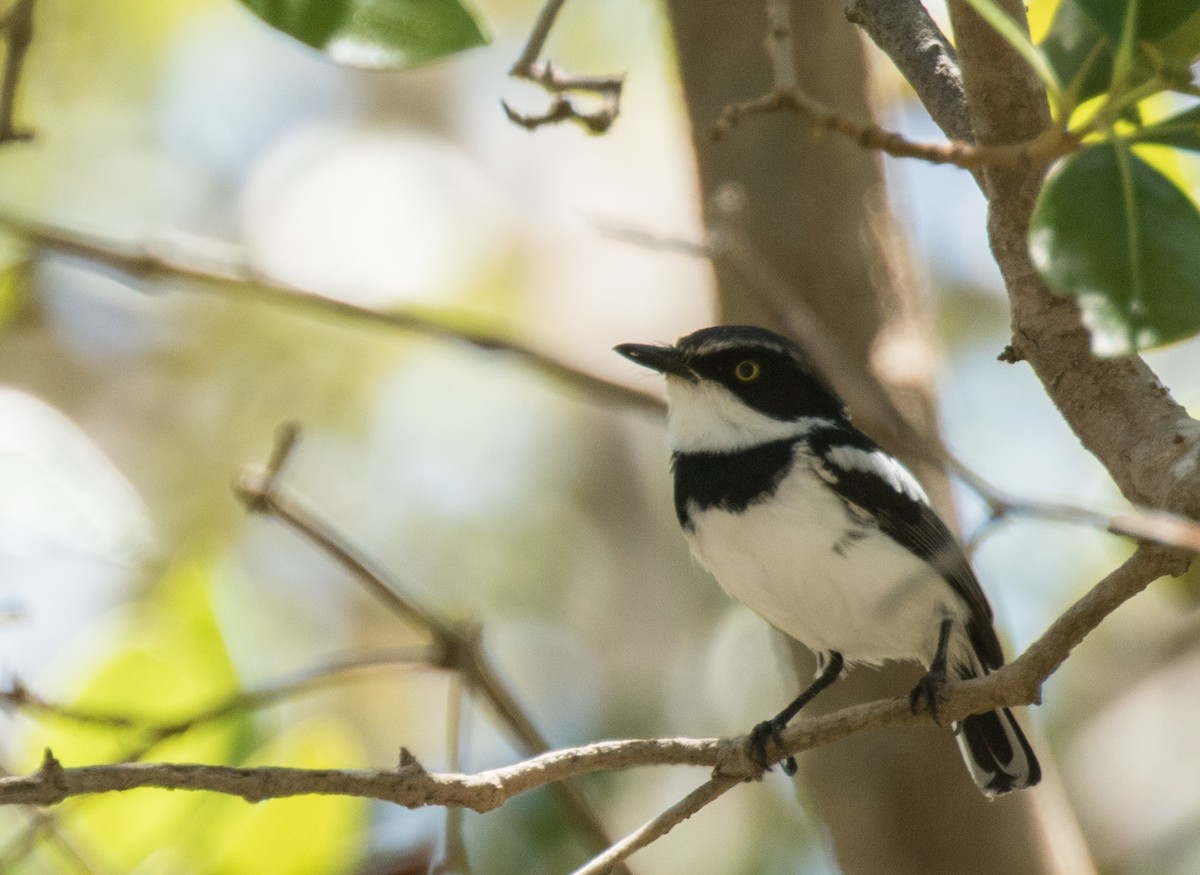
{"points": [[1180, 131], [169, 662], [1155, 18], [1113, 231], [375, 34], [300, 834], [1040, 14]]}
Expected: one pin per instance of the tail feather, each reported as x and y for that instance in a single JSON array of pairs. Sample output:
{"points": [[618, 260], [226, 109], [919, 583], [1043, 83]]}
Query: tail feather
{"points": [[997, 753]]}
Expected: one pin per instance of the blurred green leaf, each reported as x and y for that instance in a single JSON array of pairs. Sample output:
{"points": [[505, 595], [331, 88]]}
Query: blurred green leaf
{"points": [[168, 663], [1078, 51], [296, 835], [1113, 231], [375, 34], [1155, 18], [1179, 131], [1182, 46]]}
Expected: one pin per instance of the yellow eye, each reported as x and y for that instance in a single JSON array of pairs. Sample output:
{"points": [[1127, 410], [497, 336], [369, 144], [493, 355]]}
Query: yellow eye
{"points": [[747, 371]]}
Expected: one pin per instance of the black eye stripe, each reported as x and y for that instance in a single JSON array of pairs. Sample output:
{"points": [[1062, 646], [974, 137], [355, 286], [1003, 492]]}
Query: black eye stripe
{"points": [[781, 389]]}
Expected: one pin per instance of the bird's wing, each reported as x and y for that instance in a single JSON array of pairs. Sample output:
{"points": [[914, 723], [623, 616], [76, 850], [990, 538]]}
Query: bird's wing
{"points": [[874, 485]]}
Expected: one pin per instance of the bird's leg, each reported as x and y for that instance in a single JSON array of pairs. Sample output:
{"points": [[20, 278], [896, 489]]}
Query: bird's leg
{"points": [[773, 728], [930, 686]]}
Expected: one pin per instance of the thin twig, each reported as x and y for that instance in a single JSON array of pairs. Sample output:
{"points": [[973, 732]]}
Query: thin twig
{"points": [[19, 697], [224, 269], [780, 45], [458, 644], [454, 859], [708, 792], [1052, 143], [17, 27], [562, 85], [959, 151]]}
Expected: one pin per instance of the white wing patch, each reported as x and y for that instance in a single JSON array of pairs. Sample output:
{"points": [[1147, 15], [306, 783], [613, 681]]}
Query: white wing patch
{"points": [[880, 464]]}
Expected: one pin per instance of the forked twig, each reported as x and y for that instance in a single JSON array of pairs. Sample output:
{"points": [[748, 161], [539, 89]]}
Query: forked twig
{"points": [[458, 645], [562, 87]]}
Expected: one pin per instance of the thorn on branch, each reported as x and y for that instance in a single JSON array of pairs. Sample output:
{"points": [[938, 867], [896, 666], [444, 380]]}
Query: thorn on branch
{"points": [[409, 763], [52, 780]]}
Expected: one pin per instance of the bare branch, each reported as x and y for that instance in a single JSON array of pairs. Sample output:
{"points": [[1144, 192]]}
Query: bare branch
{"points": [[458, 644], [709, 791], [922, 54], [927, 56], [17, 28], [224, 269], [1052, 143], [410, 785], [780, 45], [561, 85]]}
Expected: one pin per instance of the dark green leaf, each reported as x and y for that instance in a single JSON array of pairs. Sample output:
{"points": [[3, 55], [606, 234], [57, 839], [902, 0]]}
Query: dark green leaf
{"points": [[1113, 231], [1182, 46], [1155, 18], [376, 34], [1078, 50], [1179, 131]]}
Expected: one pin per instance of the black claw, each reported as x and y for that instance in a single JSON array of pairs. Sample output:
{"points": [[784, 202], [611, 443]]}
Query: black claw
{"points": [[759, 735], [928, 688]]}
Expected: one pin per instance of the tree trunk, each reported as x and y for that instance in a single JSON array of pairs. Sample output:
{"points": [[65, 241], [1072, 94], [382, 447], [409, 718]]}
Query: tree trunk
{"points": [[814, 210]]}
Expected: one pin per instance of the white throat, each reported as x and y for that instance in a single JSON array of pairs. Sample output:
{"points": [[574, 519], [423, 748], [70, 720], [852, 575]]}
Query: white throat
{"points": [[707, 417]]}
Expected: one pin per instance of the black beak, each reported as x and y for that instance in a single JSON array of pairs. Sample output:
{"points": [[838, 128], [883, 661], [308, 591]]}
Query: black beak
{"points": [[664, 359]]}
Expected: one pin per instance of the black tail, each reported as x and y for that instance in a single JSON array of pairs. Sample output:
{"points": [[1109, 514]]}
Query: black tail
{"points": [[997, 753]]}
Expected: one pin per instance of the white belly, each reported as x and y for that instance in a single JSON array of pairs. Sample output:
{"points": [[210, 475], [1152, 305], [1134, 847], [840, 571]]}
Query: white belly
{"points": [[871, 602]]}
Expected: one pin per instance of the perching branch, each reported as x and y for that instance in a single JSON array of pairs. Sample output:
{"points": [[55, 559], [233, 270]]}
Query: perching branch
{"points": [[17, 30], [563, 87], [1018, 683]]}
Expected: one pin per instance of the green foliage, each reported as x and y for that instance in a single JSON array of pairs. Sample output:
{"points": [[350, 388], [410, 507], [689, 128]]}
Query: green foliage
{"points": [[171, 664], [1179, 131], [1109, 228], [1151, 19], [1124, 239], [376, 34]]}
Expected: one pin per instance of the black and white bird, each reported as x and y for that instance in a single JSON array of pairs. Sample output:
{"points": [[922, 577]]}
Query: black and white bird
{"points": [[806, 520]]}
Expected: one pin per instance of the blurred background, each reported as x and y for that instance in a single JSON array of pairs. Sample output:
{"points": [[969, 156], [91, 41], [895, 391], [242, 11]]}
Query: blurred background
{"points": [[132, 581]]}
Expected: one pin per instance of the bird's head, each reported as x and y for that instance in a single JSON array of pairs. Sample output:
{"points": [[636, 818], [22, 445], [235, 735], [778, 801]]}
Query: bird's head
{"points": [[736, 386]]}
